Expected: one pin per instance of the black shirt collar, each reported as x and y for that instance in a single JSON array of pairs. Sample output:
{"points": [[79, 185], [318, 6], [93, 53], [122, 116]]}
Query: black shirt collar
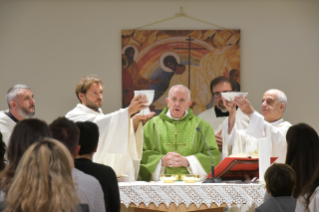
{"points": [[12, 117]]}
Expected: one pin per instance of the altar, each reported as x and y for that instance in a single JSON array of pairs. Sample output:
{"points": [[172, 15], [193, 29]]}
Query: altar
{"points": [[180, 196]]}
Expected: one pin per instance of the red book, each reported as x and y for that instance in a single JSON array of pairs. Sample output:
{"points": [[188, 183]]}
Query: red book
{"points": [[238, 168]]}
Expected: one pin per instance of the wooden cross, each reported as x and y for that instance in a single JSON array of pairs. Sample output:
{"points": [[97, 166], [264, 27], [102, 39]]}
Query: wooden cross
{"points": [[176, 144], [189, 39]]}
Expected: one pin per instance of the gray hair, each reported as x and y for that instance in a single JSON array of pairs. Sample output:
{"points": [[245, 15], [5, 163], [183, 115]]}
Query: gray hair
{"points": [[13, 92], [281, 97], [181, 86]]}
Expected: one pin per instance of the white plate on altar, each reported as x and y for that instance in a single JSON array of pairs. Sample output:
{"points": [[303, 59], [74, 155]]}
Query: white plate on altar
{"points": [[229, 96]]}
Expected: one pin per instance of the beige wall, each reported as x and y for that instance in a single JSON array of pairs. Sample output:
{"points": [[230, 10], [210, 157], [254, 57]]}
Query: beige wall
{"points": [[50, 45]]}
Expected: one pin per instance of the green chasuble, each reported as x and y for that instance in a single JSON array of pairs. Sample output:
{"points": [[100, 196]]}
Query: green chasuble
{"points": [[163, 134]]}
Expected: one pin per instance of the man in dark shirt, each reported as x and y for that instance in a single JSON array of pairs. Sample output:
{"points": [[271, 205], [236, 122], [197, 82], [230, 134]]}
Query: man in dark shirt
{"points": [[89, 137]]}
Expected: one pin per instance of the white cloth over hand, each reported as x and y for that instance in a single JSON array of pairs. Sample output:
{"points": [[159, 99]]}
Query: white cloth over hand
{"points": [[119, 146], [218, 123]]}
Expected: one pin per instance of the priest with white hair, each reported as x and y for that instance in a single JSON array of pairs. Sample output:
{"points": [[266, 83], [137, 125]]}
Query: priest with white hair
{"points": [[269, 126], [173, 143], [190, 76]]}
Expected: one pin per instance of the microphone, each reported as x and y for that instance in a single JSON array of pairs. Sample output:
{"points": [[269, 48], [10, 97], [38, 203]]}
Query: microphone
{"points": [[209, 180]]}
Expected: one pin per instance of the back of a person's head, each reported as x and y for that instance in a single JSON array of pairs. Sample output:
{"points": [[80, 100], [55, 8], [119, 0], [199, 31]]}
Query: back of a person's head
{"points": [[280, 179], [302, 153], [66, 132], [89, 137], [24, 134], [43, 180], [3, 149]]}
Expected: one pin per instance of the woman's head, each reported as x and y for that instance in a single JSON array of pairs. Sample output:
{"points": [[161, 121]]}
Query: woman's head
{"points": [[302, 153], [43, 179], [24, 134], [302, 143]]}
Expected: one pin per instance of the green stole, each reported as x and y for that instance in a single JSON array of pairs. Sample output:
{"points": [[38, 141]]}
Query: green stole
{"points": [[176, 136]]}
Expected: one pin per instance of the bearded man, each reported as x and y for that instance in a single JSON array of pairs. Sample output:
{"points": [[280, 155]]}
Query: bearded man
{"points": [[121, 138], [20, 100]]}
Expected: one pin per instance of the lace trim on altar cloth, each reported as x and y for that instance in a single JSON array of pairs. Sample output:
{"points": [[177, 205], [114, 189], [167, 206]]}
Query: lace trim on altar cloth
{"points": [[187, 194]]}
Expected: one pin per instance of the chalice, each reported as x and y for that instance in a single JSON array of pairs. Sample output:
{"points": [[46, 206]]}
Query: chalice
{"points": [[150, 96]]}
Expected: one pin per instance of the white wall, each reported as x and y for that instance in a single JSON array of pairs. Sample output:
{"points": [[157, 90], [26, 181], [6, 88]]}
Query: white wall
{"points": [[51, 45]]}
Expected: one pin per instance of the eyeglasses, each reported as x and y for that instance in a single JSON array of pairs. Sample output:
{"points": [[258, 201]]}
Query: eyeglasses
{"points": [[217, 95]]}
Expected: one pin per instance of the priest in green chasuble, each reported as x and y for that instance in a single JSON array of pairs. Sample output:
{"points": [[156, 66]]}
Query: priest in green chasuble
{"points": [[172, 145]]}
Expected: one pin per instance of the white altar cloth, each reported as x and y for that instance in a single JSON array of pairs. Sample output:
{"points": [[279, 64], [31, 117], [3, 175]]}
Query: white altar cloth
{"points": [[187, 193]]}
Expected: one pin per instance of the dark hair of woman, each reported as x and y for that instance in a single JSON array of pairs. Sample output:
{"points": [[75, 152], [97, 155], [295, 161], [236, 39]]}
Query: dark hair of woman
{"points": [[3, 149], [24, 134], [308, 190], [302, 154]]}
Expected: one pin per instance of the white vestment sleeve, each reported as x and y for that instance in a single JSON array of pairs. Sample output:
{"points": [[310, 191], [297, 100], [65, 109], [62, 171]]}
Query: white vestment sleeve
{"points": [[256, 125], [119, 146], [136, 146], [277, 134], [158, 171], [236, 141], [241, 123], [228, 139], [195, 167], [115, 138]]}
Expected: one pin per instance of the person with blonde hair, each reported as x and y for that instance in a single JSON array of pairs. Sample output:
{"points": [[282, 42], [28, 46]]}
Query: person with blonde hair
{"points": [[43, 180], [121, 138]]}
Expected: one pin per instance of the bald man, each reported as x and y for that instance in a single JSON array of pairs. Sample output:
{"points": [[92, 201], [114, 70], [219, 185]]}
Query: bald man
{"points": [[269, 125], [172, 144]]}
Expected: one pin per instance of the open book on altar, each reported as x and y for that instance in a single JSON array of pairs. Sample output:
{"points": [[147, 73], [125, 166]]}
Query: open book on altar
{"points": [[238, 168]]}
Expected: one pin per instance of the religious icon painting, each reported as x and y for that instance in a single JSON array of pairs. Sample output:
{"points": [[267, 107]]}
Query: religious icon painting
{"points": [[158, 59]]}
